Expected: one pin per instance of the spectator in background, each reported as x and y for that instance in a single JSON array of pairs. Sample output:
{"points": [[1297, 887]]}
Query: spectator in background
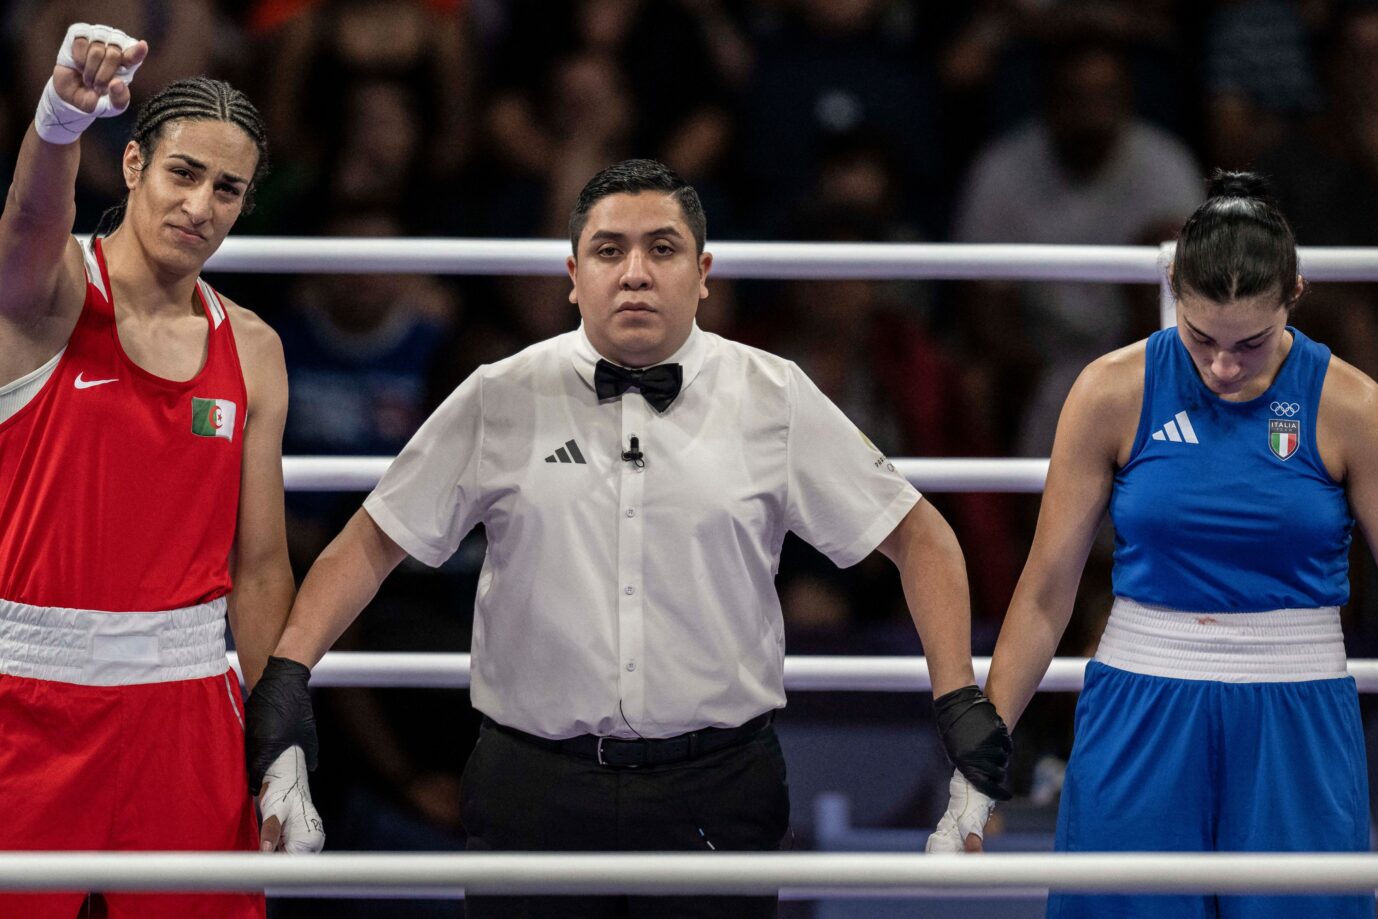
{"points": [[1087, 171], [825, 69], [1326, 178], [1259, 78], [378, 158], [868, 347], [359, 351], [862, 173], [1327, 174], [421, 48], [579, 84], [989, 55]]}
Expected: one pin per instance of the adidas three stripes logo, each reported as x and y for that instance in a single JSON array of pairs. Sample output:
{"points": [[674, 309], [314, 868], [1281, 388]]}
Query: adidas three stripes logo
{"points": [[1178, 430], [569, 453]]}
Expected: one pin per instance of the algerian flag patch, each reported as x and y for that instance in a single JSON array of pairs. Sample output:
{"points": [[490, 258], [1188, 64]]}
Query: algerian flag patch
{"points": [[212, 418]]}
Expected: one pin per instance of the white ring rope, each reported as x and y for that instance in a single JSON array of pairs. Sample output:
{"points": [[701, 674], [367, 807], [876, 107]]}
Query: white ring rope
{"points": [[803, 673], [730, 259], [877, 261], [833, 874], [361, 473]]}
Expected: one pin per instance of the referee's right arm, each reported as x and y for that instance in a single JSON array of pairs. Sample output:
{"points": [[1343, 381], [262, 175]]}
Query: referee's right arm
{"points": [[337, 588]]}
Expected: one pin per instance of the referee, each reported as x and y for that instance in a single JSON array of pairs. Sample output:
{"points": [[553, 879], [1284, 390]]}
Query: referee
{"points": [[635, 478]]}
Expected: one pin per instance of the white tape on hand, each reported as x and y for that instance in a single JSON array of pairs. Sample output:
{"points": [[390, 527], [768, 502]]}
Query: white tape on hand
{"points": [[58, 121], [287, 796], [966, 814], [96, 33]]}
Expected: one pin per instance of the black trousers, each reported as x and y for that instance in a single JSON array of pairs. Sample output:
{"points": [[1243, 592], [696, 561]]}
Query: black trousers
{"points": [[519, 797]]}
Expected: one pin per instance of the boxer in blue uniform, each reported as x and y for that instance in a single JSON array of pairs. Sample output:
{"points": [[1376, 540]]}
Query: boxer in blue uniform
{"points": [[1234, 455]]}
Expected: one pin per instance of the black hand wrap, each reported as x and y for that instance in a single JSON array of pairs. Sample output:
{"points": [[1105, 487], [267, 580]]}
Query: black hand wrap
{"points": [[277, 716], [976, 740]]}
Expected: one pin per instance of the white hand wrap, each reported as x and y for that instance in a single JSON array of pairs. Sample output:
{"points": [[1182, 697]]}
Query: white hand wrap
{"points": [[967, 813], [287, 796], [60, 122]]}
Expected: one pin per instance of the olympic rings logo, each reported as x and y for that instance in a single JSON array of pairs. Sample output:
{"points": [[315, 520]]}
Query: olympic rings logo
{"points": [[1287, 409]]}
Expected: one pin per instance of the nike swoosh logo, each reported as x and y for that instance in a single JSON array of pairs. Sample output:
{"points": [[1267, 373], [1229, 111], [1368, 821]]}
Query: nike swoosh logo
{"points": [[79, 383]]}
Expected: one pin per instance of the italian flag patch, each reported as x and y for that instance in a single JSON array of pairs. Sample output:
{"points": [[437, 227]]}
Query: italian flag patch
{"points": [[1283, 437], [212, 418]]}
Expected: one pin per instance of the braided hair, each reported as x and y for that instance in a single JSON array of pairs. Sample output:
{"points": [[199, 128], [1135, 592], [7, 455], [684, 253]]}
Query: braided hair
{"points": [[194, 99]]}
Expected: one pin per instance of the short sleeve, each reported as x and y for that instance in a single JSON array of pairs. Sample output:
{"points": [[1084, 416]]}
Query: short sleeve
{"points": [[844, 495], [429, 498]]}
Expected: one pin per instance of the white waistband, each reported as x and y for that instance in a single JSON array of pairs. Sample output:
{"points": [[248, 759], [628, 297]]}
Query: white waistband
{"points": [[95, 648], [1278, 646]]}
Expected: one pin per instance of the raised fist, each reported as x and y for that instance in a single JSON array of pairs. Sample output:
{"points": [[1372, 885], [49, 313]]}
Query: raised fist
{"points": [[94, 67]]}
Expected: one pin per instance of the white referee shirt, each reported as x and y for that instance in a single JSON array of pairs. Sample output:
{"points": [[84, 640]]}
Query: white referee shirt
{"points": [[624, 601]]}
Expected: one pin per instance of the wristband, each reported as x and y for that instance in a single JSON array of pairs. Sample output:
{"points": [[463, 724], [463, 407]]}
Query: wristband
{"points": [[975, 739], [277, 716]]}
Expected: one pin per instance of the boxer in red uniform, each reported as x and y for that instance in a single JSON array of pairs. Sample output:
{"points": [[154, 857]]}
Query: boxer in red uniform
{"points": [[141, 419]]}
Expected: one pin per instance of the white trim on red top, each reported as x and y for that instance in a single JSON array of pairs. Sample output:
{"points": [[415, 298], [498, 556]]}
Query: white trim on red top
{"points": [[93, 272], [212, 301]]}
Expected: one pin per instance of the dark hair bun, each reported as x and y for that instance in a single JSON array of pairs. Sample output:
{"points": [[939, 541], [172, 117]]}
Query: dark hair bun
{"points": [[1224, 184]]}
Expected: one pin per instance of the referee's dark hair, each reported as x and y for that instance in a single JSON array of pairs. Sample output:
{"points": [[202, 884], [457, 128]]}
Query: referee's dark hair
{"points": [[1237, 245], [194, 99], [631, 177]]}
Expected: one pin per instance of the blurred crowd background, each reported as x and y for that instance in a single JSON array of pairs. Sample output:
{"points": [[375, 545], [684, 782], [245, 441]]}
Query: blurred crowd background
{"points": [[1048, 121]]}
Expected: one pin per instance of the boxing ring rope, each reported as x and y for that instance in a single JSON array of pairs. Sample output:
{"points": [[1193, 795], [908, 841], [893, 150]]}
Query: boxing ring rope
{"points": [[767, 260], [803, 673], [793, 875], [361, 473], [797, 875], [764, 260]]}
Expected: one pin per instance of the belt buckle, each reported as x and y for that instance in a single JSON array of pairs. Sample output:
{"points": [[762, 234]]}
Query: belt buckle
{"points": [[601, 761]]}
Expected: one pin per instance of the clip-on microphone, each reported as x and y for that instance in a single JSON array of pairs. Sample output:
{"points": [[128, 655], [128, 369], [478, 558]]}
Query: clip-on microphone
{"points": [[634, 454]]}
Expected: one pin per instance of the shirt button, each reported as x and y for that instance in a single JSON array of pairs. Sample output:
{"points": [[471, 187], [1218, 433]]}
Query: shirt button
{"points": [[629, 590], [631, 512], [631, 666]]}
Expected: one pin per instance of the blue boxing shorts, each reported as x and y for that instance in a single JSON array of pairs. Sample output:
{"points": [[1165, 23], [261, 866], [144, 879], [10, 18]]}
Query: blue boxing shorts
{"points": [[1202, 765]]}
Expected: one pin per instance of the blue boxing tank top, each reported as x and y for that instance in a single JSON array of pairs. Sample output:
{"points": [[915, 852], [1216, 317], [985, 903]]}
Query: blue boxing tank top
{"points": [[1226, 506]]}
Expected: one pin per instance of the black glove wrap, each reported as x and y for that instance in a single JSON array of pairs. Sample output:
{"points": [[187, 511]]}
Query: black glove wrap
{"points": [[975, 739], [277, 716]]}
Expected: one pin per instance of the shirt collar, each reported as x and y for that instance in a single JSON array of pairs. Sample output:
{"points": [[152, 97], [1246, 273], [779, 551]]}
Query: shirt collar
{"points": [[690, 356]]}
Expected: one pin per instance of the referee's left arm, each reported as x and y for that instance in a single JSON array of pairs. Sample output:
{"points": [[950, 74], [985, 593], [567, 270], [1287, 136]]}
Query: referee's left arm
{"points": [[933, 573], [934, 576]]}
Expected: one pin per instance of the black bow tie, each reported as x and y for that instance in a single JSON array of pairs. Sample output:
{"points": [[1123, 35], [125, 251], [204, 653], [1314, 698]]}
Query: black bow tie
{"points": [[659, 384]]}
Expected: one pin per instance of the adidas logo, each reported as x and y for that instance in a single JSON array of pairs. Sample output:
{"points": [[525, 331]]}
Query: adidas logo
{"points": [[1179, 430], [569, 453]]}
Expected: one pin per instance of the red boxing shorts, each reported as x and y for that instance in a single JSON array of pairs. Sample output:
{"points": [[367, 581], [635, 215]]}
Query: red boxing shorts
{"points": [[147, 766]]}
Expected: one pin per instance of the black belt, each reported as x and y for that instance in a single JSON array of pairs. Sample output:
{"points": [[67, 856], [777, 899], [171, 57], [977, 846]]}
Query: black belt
{"points": [[617, 753]]}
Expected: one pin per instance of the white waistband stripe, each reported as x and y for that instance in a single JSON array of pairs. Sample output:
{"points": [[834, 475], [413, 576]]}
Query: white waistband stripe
{"points": [[94, 648], [1278, 646]]}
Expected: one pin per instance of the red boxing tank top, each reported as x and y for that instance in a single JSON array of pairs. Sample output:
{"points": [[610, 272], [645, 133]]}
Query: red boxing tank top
{"points": [[119, 490]]}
